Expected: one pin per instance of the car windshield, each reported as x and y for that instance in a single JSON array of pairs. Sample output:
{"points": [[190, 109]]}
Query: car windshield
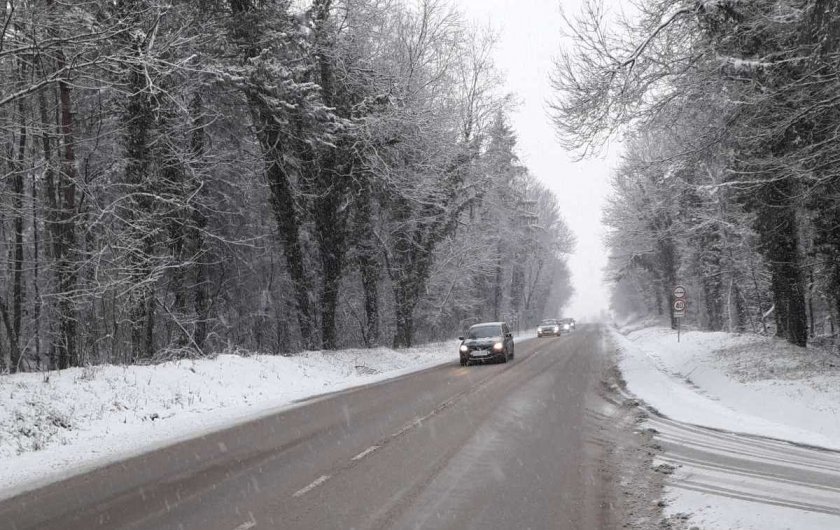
{"points": [[548, 323], [483, 332]]}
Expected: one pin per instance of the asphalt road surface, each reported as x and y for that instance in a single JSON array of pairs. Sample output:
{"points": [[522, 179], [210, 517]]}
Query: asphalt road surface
{"points": [[501, 446]]}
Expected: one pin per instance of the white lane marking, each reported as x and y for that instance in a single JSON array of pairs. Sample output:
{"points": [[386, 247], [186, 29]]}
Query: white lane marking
{"points": [[366, 452], [246, 525], [417, 421], [315, 483]]}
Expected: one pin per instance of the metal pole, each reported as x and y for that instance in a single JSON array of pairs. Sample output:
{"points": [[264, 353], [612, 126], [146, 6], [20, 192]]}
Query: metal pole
{"points": [[679, 325]]}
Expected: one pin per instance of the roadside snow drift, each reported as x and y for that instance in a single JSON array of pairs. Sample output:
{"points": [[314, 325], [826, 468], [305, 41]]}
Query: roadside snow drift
{"points": [[712, 386], [740, 383], [56, 423]]}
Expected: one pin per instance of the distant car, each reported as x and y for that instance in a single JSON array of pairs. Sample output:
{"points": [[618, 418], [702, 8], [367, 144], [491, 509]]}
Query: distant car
{"points": [[486, 342], [548, 327], [567, 325]]}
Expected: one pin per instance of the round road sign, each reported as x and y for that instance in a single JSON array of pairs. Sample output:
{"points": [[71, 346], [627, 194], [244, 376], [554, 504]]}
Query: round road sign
{"points": [[679, 305], [679, 291]]}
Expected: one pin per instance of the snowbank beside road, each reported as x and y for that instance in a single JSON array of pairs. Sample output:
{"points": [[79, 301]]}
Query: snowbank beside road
{"points": [[740, 383], [57, 423]]}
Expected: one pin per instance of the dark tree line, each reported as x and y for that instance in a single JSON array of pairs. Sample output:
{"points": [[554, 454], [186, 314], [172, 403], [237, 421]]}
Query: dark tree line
{"points": [[729, 111], [184, 178]]}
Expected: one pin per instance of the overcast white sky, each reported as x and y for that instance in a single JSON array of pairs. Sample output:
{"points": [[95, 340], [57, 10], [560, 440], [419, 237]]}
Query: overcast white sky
{"points": [[530, 35]]}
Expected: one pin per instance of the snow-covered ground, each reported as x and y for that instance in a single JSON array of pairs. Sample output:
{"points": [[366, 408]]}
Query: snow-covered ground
{"points": [[741, 386], [58, 423], [741, 383]]}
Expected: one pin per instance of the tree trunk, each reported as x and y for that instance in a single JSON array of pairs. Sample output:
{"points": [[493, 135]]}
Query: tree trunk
{"points": [[331, 188], [517, 285], [66, 244], [741, 313], [497, 289], [286, 216], [17, 262], [409, 278], [138, 120], [668, 262], [370, 285], [271, 136], [405, 302], [367, 262], [36, 268], [202, 282], [777, 226], [198, 226], [332, 242], [51, 209]]}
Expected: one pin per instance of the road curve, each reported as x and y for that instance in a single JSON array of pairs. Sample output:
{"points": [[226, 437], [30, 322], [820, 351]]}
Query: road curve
{"points": [[494, 447]]}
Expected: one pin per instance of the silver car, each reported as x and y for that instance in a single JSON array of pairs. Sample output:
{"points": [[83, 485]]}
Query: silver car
{"points": [[549, 327]]}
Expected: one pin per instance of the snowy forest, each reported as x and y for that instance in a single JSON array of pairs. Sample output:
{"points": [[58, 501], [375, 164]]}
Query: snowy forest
{"points": [[184, 178], [728, 114]]}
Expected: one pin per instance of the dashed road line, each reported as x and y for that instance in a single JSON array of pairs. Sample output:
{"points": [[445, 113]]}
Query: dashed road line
{"points": [[407, 427], [315, 483], [366, 452], [449, 402], [247, 525]]}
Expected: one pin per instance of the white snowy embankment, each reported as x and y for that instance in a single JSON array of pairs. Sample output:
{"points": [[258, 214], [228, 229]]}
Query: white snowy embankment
{"points": [[740, 383], [58, 423]]}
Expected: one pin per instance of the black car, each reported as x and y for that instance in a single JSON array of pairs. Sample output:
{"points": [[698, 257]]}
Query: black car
{"points": [[486, 342]]}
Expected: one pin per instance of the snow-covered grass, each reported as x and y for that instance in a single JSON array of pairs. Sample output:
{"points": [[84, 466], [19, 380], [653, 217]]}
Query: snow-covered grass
{"points": [[58, 423], [740, 383]]}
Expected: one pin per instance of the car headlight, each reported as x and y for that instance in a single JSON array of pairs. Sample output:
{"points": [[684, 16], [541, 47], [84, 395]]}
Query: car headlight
{"points": [[464, 348], [498, 346], [566, 326], [556, 328]]}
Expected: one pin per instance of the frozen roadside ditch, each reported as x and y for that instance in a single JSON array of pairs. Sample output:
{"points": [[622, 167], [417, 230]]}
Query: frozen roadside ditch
{"points": [[731, 405]]}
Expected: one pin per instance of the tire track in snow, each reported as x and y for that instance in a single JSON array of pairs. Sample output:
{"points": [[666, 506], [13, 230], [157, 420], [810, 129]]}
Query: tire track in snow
{"points": [[749, 468]]}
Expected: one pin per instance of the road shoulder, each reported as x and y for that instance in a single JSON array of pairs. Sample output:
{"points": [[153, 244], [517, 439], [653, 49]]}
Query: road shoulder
{"points": [[631, 453]]}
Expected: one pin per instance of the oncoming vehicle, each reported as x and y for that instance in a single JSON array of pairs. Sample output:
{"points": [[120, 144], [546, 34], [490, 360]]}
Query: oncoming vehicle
{"points": [[548, 327], [486, 342], [567, 325]]}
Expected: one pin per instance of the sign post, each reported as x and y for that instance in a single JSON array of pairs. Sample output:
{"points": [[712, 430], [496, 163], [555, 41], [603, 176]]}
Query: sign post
{"points": [[679, 307]]}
